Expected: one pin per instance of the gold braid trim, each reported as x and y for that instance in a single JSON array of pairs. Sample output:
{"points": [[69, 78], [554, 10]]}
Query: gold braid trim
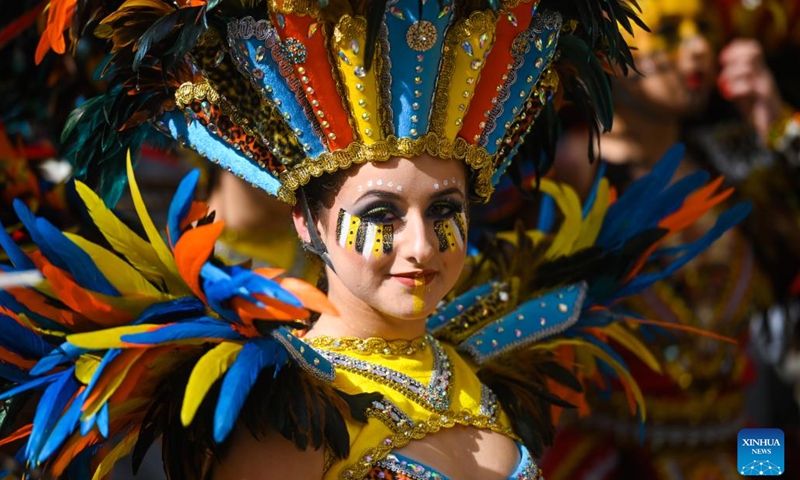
{"points": [[298, 7], [190, 92], [357, 153], [420, 430], [369, 346], [513, 4], [466, 28]]}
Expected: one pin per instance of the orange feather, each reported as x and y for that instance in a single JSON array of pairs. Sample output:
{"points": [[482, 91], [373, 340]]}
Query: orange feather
{"points": [[21, 433], [192, 251], [58, 19], [686, 328], [16, 359], [116, 368], [82, 300], [311, 297]]}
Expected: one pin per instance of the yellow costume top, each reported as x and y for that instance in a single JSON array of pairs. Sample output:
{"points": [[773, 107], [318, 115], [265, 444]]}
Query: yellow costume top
{"points": [[426, 386]]}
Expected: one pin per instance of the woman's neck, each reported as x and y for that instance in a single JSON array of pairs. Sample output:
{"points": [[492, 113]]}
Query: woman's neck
{"points": [[357, 319]]}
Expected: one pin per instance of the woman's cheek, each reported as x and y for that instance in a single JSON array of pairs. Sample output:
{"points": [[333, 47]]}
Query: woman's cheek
{"points": [[452, 233], [367, 239]]}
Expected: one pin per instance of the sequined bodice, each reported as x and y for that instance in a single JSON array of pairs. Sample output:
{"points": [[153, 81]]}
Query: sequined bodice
{"points": [[425, 390]]}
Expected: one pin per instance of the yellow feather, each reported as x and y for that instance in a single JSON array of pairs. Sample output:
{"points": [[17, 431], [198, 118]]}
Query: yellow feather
{"points": [[629, 341], [594, 219], [120, 237], [85, 366], [120, 450], [208, 369], [570, 205], [177, 285], [119, 273], [107, 338]]}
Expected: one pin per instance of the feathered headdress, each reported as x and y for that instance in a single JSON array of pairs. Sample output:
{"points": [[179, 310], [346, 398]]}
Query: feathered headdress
{"points": [[281, 92]]}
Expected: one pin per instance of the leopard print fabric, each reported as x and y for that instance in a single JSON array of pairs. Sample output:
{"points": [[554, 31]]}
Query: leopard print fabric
{"points": [[211, 117], [258, 118]]}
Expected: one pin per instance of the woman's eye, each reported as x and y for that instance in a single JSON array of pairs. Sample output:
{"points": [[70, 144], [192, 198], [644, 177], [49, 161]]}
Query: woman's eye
{"points": [[379, 214], [444, 210]]}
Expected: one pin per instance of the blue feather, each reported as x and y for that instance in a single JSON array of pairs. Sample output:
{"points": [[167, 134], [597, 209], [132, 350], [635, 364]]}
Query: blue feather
{"points": [[15, 254], [65, 427], [256, 355], [672, 198], [13, 374], [29, 220], [34, 384], [172, 311], [102, 420], [727, 220], [53, 401], [78, 262], [7, 300], [110, 355], [636, 198], [87, 424], [66, 352], [547, 213], [181, 203], [21, 340], [601, 172], [206, 327]]}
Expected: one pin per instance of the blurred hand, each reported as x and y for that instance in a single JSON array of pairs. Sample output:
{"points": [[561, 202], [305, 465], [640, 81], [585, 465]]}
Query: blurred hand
{"points": [[747, 82]]}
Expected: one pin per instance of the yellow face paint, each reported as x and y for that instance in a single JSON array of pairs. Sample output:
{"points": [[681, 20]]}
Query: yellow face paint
{"points": [[366, 238], [452, 234], [418, 295]]}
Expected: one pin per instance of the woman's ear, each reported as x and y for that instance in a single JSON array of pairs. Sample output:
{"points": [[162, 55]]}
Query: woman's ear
{"points": [[300, 223]]}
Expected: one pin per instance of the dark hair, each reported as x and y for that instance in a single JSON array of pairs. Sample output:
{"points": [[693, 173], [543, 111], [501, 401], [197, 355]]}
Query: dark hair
{"points": [[321, 191]]}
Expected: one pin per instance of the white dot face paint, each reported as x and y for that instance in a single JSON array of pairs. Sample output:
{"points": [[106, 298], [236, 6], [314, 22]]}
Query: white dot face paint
{"points": [[379, 182], [451, 182]]}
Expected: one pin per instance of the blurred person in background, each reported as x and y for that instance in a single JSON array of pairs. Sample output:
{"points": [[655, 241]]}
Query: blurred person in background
{"points": [[697, 405]]}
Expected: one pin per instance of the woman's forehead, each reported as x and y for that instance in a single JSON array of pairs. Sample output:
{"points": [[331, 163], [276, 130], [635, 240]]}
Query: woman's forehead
{"points": [[424, 174]]}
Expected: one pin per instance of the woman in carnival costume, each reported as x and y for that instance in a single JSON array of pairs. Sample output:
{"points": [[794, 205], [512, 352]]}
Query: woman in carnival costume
{"points": [[392, 118]]}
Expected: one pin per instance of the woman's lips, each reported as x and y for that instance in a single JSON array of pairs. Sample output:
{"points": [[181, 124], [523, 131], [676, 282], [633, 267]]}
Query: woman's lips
{"points": [[695, 80], [415, 279]]}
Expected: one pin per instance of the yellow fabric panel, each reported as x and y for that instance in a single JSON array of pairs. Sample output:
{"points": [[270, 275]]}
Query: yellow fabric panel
{"points": [[466, 46], [360, 85], [465, 399]]}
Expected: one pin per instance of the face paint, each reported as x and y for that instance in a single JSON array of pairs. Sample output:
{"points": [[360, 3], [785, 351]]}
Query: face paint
{"points": [[366, 238], [418, 295], [451, 233]]}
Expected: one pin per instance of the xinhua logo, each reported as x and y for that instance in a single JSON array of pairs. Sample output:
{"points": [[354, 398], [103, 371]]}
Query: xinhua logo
{"points": [[760, 451]]}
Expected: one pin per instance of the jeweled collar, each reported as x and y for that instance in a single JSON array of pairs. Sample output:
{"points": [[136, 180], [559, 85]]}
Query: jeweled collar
{"points": [[371, 345], [434, 396]]}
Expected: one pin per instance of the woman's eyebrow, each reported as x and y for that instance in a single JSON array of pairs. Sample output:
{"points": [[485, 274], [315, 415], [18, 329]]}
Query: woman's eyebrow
{"points": [[383, 194], [448, 191], [389, 195]]}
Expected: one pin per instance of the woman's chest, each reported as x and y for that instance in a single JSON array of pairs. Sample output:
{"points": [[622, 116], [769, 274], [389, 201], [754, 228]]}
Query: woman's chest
{"points": [[435, 419]]}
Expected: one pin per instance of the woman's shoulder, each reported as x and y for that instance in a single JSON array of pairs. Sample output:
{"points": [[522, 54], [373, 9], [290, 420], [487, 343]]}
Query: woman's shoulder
{"points": [[269, 456]]}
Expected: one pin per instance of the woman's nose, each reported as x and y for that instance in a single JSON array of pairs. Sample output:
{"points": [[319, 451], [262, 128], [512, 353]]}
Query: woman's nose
{"points": [[419, 240]]}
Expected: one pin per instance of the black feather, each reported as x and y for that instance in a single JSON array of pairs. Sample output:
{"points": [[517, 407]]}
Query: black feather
{"points": [[375, 13]]}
